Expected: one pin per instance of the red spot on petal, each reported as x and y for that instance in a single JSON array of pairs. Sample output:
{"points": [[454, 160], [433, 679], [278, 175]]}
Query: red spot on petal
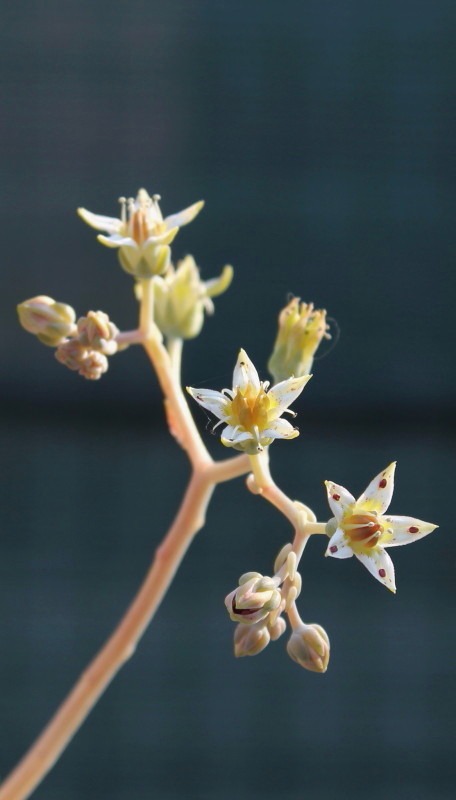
{"points": [[382, 573], [413, 529], [383, 483], [336, 496], [333, 549]]}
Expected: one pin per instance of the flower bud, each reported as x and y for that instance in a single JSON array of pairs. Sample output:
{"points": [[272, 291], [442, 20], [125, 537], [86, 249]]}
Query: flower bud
{"points": [[50, 321], [277, 628], [252, 601], [181, 298], [89, 363], [249, 640], [309, 647], [93, 366], [97, 332], [301, 329]]}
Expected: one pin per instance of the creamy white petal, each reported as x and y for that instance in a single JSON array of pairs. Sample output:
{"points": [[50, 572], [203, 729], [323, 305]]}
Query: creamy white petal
{"points": [[115, 240], [216, 402], [378, 494], [280, 429], [163, 238], [232, 435], [100, 223], [380, 566], [245, 373], [338, 498], [338, 546], [286, 392], [185, 216], [405, 530]]}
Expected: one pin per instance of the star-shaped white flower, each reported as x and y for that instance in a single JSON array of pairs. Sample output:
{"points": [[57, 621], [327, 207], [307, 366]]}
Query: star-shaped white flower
{"points": [[363, 530], [140, 230], [251, 413]]}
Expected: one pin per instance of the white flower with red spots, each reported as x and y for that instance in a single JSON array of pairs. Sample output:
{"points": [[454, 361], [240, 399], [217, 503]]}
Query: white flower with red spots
{"points": [[251, 413], [141, 233], [363, 530]]}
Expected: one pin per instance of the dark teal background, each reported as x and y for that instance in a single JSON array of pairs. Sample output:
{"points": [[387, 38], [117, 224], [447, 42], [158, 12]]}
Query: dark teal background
{"points": [[321, 135]]}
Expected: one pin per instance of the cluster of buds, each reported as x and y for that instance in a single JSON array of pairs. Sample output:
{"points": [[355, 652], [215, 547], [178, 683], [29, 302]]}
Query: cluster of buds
{"points": [[81, 346], [257, 606], [301, 329]]}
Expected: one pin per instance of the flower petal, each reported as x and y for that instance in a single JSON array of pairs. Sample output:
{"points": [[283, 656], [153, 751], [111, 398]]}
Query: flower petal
{"points": [[404, 530], [378, 494], [286, 392], [380, 566], [338, 498], [100, 223], [215, 402], [245, 373], [163, 238], [338, 546], [116, 240], [280, 429], [185, 216], [234, 435]]}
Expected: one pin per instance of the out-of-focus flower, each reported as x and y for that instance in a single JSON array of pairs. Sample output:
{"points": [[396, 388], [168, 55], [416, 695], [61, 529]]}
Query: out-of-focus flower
{"points": [[254, 598], [360, 528], [181, 298], [141, 233], [309, 647], [97, 332], [50, 321], [251, 413], [301, 329]]}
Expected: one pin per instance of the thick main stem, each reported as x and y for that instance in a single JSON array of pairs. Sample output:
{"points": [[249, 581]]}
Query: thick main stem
{"points": [[118, 649]]}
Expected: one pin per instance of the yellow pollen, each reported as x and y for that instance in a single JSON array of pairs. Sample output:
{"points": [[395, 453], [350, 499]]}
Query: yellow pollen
{"points": [[251, 409]]}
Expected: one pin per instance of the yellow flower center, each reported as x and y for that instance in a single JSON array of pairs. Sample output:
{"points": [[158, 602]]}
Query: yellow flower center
{"points": [[362, 530], [250, 410]]}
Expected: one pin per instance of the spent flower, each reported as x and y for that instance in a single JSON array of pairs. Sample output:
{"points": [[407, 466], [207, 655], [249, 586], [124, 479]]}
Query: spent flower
{"points": [[360, 527], [141, 233], [181, 298], [301, 329], [250, 410]]}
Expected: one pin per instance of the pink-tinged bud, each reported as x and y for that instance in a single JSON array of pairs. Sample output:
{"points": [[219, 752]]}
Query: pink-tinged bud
{"points": [[50, 321], [71, 354], [93, 366], [255, 597], [88, 363], [309, 647], [249, 640], [97, 332], [277, 629]]}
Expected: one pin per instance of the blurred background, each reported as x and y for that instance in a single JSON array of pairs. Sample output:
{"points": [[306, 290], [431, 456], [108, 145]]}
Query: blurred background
{"points": [[321, 136]]}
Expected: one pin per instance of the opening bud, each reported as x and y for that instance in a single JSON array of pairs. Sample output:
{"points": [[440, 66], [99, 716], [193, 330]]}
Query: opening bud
{"points": [[301, 329], [50, 321], [254, 599]]}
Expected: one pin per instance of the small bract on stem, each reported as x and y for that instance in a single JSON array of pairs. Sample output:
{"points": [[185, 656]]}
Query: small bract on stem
{"points": [[174, 302]]}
